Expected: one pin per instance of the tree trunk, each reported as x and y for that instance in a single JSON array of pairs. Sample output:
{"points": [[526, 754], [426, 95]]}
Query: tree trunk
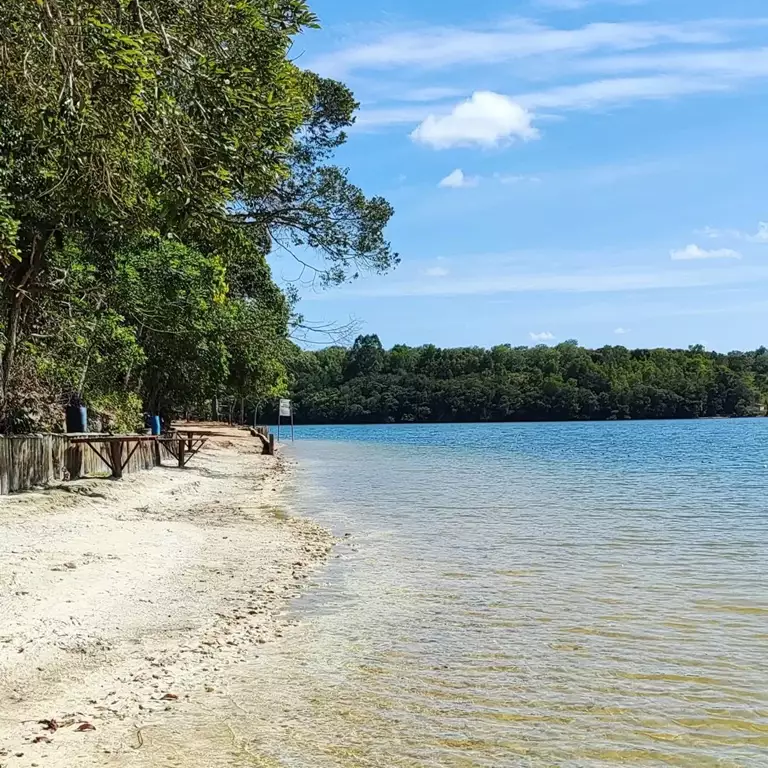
{"points": [[242, 410], [86, 364], [15, 296]]}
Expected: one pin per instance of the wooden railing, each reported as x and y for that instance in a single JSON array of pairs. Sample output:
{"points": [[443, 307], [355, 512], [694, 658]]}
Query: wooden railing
{"points": [[29, 461]]}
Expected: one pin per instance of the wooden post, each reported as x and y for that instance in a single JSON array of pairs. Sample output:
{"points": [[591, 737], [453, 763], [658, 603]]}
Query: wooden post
{"points": [[291, 422], [116, 454], [156, 446], [182, 451], [271, 444]]}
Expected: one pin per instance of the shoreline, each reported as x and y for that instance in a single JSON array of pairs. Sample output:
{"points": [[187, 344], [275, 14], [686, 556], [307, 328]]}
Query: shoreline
{"points": [[128, 608]]}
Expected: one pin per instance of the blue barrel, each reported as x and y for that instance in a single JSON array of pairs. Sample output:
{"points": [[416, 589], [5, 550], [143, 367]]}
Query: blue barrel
{"points": [[155, 425], [77, 418]]}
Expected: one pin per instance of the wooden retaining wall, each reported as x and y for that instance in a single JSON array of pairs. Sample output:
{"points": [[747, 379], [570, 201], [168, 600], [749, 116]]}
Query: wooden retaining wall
{"points": [[27, 461], [30, 460]]}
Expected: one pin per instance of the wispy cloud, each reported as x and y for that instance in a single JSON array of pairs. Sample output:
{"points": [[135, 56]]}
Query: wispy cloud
{"points": [[486, 119], [738, 63], [618, 90], [510, 178], [428, 94], [761, 236], [430, 48], [541, 336], [458, 180], [694, 252], [620, 331], [590, 95], [436, 272], [620, 63], [489, 279], [577, 5]]}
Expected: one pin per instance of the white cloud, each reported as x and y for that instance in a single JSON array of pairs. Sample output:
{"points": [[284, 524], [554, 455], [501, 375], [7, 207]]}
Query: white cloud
{"points": [[436, 272], [486, 119], [457, 180], [693, 252], [620, 331], [543, 336]]}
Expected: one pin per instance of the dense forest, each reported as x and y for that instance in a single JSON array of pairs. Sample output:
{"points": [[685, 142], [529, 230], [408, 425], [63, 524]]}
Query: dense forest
{"points": [[152, 155], [366, 383]]}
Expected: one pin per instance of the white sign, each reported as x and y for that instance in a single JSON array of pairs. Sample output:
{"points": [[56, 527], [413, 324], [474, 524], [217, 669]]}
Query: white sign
{"points": [[285, 407]]}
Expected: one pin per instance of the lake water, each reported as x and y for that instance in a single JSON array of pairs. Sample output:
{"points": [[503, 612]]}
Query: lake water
{"points": [[540, 595]]}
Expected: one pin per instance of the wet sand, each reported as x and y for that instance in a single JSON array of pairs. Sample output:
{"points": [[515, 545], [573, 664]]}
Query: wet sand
{"points": [[130, 609]]}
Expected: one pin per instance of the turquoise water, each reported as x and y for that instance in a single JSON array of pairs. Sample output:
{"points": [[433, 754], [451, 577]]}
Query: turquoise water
{"points": [[540, 595]]}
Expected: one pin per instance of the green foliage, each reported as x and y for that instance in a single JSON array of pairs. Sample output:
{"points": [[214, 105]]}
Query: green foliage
{"points": [[368, 384], [175, 300], [119, 411], [152, 152]]}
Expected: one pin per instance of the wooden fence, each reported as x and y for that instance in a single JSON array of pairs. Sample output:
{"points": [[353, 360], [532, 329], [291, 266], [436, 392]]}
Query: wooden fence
{"points": [[27, 461]]}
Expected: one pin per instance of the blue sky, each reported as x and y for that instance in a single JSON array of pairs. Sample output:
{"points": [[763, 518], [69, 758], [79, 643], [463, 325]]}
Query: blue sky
{"points": [[559, 169]]}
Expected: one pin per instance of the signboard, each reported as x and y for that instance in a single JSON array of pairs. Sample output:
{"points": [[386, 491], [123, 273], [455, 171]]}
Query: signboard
{"points": [[286, 410]]}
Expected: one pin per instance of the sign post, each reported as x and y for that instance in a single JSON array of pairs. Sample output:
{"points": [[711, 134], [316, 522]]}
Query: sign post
{"points": [[286, 409]]}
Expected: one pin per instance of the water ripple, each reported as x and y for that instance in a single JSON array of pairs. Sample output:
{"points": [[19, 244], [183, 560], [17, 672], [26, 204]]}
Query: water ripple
{"points": [[581, 595]]}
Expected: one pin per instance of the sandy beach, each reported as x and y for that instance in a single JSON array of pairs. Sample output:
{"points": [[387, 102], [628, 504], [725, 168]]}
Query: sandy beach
{"points": [[128, 610]]}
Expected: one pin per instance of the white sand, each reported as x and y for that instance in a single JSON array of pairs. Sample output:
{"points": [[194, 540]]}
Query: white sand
{"points": [[132, 604]]}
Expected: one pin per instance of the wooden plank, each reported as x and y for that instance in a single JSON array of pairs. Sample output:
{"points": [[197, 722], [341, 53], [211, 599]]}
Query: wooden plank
{"points": [[116, 456], [106, 458], [58, 446], [73, 460], [127, 459], [5, 465]]}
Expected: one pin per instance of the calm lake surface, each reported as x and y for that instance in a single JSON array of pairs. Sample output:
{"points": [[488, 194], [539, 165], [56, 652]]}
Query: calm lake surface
{"points": [[540, 595]]}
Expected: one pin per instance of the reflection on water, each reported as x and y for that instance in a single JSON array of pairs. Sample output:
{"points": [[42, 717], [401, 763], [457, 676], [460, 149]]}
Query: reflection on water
{"points": [[528, 595]]}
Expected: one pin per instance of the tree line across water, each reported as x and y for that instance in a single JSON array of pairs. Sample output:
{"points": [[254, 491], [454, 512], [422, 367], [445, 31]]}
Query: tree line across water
{"points": [[366, 383]]}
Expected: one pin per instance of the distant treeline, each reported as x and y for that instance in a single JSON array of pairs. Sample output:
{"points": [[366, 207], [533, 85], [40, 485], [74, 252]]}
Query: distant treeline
{"points": [[368, 384]]}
